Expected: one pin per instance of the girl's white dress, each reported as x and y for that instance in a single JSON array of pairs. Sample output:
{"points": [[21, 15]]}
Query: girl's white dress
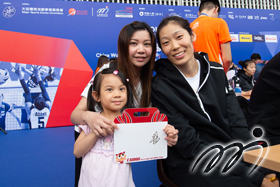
{"points": [[98, 167]]}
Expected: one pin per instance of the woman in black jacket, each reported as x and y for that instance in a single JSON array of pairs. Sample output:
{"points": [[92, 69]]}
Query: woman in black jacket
{"points": [[195, 96], [246, 76]]}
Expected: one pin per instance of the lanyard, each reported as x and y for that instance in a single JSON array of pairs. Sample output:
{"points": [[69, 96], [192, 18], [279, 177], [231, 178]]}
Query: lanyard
{"points": [[204, 14]]}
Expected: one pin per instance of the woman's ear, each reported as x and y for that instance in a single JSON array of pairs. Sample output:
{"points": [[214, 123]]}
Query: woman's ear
{"points": [[95, 96], [193, 36]]}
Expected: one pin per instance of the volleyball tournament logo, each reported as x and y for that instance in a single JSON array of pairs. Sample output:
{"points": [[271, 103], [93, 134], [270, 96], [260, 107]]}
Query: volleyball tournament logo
{"points": [[235, 157], [9, 11], [71, 12]]}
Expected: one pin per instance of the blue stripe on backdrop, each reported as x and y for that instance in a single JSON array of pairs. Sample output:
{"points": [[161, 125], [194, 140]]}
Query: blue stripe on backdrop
{"points": [[44, 158]]}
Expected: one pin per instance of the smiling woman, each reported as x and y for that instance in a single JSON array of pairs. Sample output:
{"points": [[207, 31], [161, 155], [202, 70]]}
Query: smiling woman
{"points": [[193, 93]]}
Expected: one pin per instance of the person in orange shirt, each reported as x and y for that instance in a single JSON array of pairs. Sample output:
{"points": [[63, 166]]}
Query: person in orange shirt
{"points": [[212, 33]]}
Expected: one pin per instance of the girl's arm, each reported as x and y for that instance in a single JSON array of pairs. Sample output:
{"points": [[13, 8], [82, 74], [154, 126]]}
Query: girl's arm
{"points": [[84, 143], [81, 116]]}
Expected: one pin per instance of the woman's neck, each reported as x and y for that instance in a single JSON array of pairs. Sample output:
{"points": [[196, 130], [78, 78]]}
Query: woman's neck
{"points": [[189, 69], [248, 74], [110, 114]]}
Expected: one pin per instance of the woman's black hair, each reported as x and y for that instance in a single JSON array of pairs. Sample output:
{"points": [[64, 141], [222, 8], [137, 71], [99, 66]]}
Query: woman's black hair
{"points": [[245, 63], [95, 86]]}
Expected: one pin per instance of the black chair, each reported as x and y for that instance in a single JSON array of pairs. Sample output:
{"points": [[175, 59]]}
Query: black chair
{"points": [[161, 170]]}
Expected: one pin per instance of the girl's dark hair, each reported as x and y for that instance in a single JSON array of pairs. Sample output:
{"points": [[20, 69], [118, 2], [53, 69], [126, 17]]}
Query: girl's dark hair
{"points": [[125, 65], [245, 63], [95, 86], [176, 20]]}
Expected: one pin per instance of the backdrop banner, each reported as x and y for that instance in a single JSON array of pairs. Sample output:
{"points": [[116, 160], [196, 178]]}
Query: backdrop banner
{"points": [[61, 41]]}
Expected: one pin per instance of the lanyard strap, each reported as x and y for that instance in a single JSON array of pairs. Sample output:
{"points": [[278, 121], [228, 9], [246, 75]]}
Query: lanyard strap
{"points": [[204, 14]]}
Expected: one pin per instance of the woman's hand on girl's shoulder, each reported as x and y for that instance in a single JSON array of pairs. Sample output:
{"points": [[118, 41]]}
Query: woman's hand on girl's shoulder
{"points": [[172, 135], [99, 125]]}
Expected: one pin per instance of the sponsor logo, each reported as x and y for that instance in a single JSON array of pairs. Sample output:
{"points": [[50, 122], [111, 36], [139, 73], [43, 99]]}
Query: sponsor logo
{"points": [[40, 10], [133, 159], [272, 18], [150, 13], [223, 16], [245, 38], [256, 17], [234, 37], [242, 17], [250, 17], [231, 16], [271, 38], [9, 11], [258, 38], [102, 12], [124, 13], [174, 14], [263, 18], [73, 12], [190, 16]]}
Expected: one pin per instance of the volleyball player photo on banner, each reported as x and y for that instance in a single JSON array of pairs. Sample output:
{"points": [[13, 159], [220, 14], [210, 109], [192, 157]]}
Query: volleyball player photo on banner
{"points": [[27, 93]]}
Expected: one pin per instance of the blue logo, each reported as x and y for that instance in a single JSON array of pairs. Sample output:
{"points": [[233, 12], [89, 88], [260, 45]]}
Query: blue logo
{"points": [[9, 11]]}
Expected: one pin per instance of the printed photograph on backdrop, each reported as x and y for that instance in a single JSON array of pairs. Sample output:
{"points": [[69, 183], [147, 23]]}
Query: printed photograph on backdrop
{"points": [[26, 95]]}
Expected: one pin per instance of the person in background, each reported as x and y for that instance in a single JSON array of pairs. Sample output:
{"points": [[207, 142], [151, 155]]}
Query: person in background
{"points": [[195, 96], [256, 57], [101, 61], [4, 108], [212, 33], [246, 76], [264, 105], [37, 112]]}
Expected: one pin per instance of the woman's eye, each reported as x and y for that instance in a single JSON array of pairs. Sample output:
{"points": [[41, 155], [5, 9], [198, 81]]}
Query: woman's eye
{"points": [[147, 44], [180, 36], [164, 43], [122, 89], [109, 89], [133, 43]]}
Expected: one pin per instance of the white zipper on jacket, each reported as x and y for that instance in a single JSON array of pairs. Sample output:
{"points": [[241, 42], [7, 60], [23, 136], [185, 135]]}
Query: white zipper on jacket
{"points": [[197, 95]]}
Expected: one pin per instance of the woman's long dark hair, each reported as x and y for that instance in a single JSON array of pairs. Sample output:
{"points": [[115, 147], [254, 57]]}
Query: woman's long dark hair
{"points": [[95, 86], [125, 65]]}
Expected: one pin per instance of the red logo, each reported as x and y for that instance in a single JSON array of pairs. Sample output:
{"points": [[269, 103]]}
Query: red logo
{"points": [[71, 12]]}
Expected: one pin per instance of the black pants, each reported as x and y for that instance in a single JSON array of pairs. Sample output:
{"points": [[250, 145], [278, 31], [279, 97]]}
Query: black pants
{"points": [[78, 164]]}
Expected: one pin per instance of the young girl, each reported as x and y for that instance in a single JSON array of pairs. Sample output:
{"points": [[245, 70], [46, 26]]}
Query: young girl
{"points": [[246, 76], [195, 96], [112, 93]]}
